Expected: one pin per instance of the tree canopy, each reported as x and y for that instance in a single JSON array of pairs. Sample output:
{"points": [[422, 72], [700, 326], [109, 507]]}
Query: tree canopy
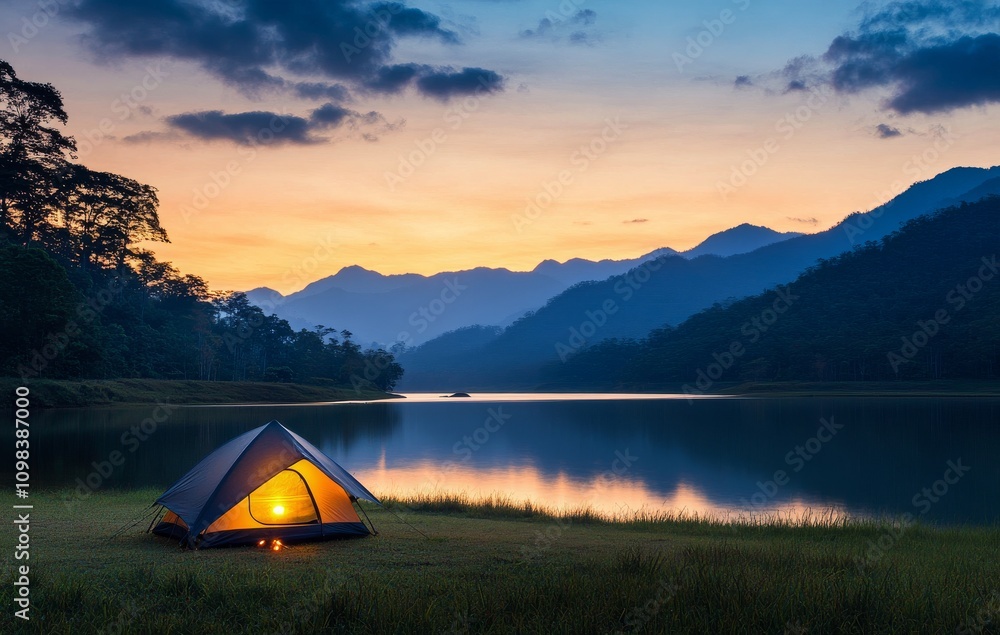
{"points": [[81, 297]]}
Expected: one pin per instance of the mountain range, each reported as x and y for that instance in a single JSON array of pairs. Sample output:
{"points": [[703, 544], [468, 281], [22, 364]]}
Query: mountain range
{"points": [[661, 292], [495, 328], [383, 309], [922, 303]]}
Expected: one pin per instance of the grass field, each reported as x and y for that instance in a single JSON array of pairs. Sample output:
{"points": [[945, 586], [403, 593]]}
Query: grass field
{"points": [[61, 394], [492, 567]]}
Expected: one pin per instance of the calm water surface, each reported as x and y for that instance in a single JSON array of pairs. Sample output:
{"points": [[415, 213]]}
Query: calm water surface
{"points": [[613, 453]]}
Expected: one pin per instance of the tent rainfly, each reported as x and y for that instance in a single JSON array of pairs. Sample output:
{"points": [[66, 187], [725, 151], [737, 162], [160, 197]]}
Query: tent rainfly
{"points": [[266, 484]]}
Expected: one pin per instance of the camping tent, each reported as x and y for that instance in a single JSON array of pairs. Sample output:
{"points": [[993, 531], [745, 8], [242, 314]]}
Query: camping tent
{"points": [[268, 483]]}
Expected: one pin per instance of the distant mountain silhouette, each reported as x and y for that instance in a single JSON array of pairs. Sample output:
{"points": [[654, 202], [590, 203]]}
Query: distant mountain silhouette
{"points": [[671, 290], [355, 279], [410, 308], [378, 308], [579, 270], [738, 240]]}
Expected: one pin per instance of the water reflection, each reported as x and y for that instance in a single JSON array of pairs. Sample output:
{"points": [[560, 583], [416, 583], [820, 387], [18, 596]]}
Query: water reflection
{"points": [[618, 496], [712, 456]]}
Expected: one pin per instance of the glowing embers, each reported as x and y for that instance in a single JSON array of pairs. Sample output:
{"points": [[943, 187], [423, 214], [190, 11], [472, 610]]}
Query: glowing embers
{"points": [[283, 500], [273, 545]]}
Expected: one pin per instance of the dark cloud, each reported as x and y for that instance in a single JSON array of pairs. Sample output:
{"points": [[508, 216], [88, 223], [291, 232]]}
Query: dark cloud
{"points": [[245, 128], [930, 14], [330, 116], [635, 221], [253, 44], [544, 28], [439, 83], [409, 21], [955, 75], [446, 84], [578, 22], [885, 131], [265, 128], [743, 81], [395, 78], [929, 56], [322, 91], [795, 85]]}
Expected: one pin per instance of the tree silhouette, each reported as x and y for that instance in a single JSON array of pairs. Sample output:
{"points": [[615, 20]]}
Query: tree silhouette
{"points": [[33, 155]]}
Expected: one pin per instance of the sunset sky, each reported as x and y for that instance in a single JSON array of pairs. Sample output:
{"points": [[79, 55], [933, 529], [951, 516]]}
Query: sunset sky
{"points": [[494, 100]]}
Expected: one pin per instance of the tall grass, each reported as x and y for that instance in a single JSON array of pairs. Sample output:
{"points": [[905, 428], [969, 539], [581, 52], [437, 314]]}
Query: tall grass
{"points": [[464, 572]]}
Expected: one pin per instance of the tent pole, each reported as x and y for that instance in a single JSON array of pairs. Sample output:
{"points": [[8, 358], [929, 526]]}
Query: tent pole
{"points": [[156, 517], [374, 531]]}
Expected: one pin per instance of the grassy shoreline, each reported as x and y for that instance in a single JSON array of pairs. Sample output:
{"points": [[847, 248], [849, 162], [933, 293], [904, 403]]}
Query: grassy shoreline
{"points": [[497, 568], [47, 393]]}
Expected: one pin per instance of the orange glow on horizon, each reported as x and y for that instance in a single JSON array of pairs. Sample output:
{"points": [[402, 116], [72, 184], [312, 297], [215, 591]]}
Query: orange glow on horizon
{"points": [[613, 497]]}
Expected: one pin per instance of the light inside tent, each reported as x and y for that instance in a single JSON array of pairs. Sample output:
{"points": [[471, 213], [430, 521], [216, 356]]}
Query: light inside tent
{"points": [[283, 500]]}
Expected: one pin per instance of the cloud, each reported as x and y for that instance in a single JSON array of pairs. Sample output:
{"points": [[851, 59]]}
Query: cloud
{"points": [[322, 90], [578, 23], [245, 128], [445, 84], [804, 221], [583, 38], [951, 76], [743, 81], [395, 78], [253, 45], [409, 21], [885, 131], [796, 85], [150, 136], [441, 83], [265, 127], [635, 221], [926, 56]]}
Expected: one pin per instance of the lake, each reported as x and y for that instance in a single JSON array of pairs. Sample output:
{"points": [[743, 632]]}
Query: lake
{"points": [[612, 453]]}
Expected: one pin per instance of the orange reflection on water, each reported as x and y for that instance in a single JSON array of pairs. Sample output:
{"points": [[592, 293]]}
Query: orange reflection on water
{"points": [[606, 494]]}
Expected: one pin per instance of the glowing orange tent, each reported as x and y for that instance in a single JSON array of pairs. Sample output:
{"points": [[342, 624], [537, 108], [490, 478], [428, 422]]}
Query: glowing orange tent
{"points": [[267, 484]]}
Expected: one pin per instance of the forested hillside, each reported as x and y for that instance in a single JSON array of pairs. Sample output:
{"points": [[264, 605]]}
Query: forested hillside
{"points": [[922, 303]]}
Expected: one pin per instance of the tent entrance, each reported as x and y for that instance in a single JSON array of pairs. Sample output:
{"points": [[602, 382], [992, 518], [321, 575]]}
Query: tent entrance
{"points": [[283, 500]]}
